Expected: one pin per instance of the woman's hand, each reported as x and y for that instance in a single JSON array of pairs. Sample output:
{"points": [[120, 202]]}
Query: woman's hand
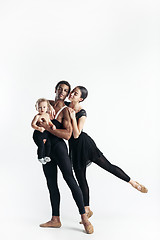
{"points": [[72, 113]]}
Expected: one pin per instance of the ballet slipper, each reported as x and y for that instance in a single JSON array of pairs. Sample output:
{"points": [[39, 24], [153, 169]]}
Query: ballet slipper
{"points": [[89, 214], [141, 188], [88, 228], [51, 224]]}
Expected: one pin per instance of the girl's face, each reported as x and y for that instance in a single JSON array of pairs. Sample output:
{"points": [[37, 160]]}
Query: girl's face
{"points": [[42, 107], [75, 95]]}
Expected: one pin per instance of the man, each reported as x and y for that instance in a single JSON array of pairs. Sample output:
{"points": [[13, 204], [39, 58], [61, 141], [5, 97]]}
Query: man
{"points": [[60, 158]]}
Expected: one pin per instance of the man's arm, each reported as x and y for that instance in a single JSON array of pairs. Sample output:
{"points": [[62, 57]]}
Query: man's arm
{"points": [[66, 132]]}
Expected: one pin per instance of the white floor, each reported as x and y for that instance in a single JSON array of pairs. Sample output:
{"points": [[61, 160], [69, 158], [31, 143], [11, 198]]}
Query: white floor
{"points": [[120, 212], [110, 227]]}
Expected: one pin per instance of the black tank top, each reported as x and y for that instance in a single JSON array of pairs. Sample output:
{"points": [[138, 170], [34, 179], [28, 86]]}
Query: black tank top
{"points": [[54, 139]]}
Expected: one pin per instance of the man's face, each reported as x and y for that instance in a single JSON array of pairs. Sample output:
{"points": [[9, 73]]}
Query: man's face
{"points": [[62, 91]]}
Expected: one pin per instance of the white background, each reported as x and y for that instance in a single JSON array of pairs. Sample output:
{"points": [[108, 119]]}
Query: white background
{"points": [[112, 48]]}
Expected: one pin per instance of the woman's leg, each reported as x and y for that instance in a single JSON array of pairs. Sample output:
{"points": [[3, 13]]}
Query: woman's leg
{"points": [[82, 181], [105, 164], [118, 172]]}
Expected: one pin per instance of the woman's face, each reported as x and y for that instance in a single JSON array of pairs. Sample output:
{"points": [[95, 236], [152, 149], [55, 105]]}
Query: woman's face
{"points": [[75, 95], [42, 107]]}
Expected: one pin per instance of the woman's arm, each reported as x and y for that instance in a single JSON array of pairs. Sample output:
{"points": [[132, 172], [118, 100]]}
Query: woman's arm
{"points": [[77, 128]]}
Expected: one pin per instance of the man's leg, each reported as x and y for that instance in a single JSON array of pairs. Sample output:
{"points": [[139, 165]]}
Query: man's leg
{"points": [[64, 163], [50, 172]]}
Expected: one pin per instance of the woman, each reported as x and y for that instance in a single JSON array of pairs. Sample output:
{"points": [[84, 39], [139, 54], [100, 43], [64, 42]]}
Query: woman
{"points": [[83, 149]]}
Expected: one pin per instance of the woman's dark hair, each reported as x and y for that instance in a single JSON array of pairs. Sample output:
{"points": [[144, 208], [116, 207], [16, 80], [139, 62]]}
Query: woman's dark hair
{"points": [[84, 92], [64, 82]]}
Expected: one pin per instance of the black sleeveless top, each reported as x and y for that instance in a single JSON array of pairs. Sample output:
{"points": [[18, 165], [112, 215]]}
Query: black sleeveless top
{"points": [[54, 139], [82, 150]]}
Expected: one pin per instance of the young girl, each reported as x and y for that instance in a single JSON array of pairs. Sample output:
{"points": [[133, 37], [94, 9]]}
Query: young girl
{"points": [[83, 149], [40, 135]]}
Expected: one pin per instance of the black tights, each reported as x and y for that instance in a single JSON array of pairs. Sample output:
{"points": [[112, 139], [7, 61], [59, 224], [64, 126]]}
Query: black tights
{"points": [[62, 160], [106, 165], [43, 148]]}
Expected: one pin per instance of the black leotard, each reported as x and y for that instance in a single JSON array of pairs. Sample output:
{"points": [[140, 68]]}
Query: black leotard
{"points": [[83, 150]]}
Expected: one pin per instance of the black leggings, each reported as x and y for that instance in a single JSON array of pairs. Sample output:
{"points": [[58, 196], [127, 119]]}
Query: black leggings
{"points": [[44, 149], [62, 160], [103, 163]]}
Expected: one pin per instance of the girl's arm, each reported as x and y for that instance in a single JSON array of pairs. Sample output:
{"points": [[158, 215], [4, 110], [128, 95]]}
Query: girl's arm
{"points": [[77, 128], [34, 125]]}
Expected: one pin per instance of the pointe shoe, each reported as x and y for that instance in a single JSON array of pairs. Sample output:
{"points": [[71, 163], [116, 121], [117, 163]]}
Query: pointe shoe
{"points": [[88, 228], [141, 188], [51, 224], [89, 214]]}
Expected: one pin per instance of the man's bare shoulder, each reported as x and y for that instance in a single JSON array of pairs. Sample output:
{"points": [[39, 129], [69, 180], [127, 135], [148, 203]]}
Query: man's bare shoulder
{"points": [[52, 102]]}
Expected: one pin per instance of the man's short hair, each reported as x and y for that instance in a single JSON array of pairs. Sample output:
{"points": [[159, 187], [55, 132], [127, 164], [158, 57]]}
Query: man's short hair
{"points": [[64, 82]]}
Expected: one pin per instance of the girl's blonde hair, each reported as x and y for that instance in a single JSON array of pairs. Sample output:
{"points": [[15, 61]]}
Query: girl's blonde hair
{"points": [[42, 100]]}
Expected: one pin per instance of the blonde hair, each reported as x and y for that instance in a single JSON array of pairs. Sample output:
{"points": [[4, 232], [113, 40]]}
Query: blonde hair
{"points": [[42, 100]]}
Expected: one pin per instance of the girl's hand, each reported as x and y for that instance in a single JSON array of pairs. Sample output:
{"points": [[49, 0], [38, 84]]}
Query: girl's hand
{"points": [[72, 113], [41, 129], [44, 124], [53, 127]]}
